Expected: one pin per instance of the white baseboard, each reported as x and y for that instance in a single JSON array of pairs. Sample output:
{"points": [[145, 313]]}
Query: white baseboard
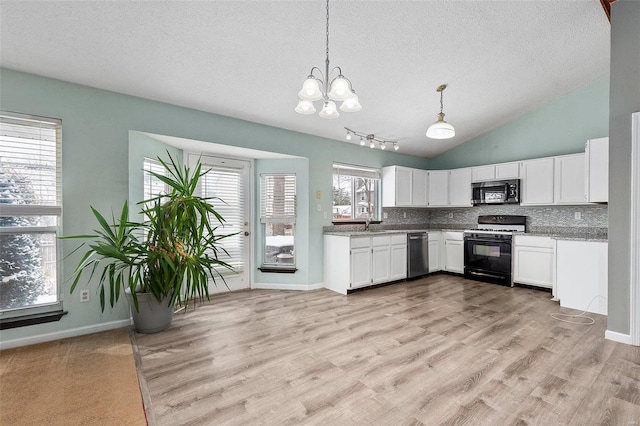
{"points": [[617, 337], [73, 332], [280, 286]]}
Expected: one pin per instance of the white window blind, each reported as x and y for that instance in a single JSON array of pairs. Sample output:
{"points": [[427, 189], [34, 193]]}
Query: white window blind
{"points": [[278, 195], [226, 185], [356, 171], [152, 185], [29, 148]]}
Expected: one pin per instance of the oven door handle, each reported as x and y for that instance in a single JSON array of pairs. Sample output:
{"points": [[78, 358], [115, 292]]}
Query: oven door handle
{"points": [[485, 240]]}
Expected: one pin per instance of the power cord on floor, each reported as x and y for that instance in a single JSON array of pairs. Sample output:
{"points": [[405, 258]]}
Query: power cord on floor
{"points": [[580, 315]]}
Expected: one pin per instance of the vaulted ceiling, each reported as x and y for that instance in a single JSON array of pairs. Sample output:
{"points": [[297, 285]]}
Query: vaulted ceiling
{"points": [[248, 59]]}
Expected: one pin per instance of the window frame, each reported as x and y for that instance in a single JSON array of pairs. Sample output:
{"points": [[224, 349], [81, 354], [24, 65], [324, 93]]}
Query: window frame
{"points": [[363, 172], [50, 311], [284, 218]]}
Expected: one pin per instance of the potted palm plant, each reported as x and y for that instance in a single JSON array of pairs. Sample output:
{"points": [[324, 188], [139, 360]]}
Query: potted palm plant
{"points": [[162, 262]]}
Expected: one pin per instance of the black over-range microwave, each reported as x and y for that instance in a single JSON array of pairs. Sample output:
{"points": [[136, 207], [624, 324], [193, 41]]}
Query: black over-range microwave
{"points": [[496, 192]]}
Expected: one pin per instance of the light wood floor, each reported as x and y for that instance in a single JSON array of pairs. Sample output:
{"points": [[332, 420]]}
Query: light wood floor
{"points": [[438, 350]]}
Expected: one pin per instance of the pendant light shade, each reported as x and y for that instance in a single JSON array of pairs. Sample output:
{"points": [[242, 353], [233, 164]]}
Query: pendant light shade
{"points": [[310, 90], [305, 107], [441, 129], [340, 90], [351, 104], [329, 110]]}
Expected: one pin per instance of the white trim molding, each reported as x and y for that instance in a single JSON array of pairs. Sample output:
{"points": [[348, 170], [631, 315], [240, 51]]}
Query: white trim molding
{"points": [[618, 337], [634, 326], [64, 334], [280, 286]]}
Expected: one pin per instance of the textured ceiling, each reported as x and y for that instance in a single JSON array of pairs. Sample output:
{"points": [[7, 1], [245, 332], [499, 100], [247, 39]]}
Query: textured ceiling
{"points": [[248, 59]]}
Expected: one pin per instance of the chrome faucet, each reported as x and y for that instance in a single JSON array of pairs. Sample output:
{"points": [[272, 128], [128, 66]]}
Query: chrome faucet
{"points": [[367, 222]]}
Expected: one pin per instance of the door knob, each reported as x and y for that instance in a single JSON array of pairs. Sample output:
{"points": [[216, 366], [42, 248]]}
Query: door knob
{"points": [[246, 234]]}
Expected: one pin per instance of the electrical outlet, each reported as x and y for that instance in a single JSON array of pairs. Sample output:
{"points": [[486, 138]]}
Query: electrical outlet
{"points": [[84, 295], [319, 207], [577, 215], [385, 215], [404, 215]]}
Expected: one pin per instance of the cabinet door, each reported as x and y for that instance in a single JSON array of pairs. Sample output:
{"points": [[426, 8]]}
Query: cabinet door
{"points": [[537, 181], [483, 173], [380, 264], [583, 275], [398, 261], [568, 179], [419, 188], [454, 256], [439, 188], [403, 186], [534, 266], [597, 170], [460, 188], [434, 255], [360, 267], [508, 171]]}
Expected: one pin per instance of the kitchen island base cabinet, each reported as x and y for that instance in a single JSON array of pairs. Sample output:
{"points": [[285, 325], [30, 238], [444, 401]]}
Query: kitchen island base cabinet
{"points": [[582, 275], [363, 261]]}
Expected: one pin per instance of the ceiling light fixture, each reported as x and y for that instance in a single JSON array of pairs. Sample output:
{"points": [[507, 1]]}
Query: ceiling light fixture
{"points": [[441, 129], [371, 138], [338, 89]]}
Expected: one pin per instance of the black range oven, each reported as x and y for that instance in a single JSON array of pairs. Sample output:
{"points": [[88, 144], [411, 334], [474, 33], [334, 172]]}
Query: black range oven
{"points": [[488, 250]]}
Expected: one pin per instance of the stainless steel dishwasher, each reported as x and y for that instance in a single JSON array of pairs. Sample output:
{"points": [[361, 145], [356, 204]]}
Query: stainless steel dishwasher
{"points": [[417, 254]]}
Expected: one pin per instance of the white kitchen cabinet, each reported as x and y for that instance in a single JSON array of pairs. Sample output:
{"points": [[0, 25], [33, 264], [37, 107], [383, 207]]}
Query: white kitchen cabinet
{"points": [[534, 261], [597, 170], [582, 280], [364, 260], [438, 188], [536, 186], [569, 179], [460, 187], [500, 171], [483, 173], [453, 252], [435, 245], [508, 170], [404, 187], [398, 257], [419, 188]]}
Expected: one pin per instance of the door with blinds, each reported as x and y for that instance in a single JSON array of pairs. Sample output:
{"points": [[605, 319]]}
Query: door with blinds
{"points": [[228, 181]]}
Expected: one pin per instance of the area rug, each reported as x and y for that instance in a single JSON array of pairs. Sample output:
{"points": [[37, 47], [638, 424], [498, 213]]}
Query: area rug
{"points": [[86, 380]]}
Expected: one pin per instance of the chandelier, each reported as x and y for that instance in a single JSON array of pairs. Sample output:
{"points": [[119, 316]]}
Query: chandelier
{"points": [[441, 129], [371, 140], [338, 89]]}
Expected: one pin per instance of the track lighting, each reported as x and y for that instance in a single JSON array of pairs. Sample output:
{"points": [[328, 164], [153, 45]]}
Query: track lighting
{"points": [[371, 138]]}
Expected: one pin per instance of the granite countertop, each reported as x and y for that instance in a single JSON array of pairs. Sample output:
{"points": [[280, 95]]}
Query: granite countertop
{"points": [[570, 236], [374, 232]]}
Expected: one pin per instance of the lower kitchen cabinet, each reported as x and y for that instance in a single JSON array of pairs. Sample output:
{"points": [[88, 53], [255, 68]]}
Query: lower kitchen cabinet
{"points": [[534, 261], [582, 280], [435, 245], [453, 252], [361, 261]]}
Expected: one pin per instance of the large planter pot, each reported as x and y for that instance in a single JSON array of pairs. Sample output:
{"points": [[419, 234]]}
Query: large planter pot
{"points": [[152, 316]]}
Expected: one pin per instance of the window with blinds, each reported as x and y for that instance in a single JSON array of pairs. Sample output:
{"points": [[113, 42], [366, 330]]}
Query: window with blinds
{"points": [[278, 219], [356, 193], [30, 211], [153, 186], [225, 185]]}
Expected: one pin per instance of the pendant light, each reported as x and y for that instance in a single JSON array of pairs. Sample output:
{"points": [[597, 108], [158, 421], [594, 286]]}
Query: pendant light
{"points": [[441, 129], [339, 89]]}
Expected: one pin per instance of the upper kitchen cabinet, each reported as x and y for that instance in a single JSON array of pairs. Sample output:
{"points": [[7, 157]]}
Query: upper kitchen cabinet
{"points": [[404, 187], [597, 170], [536, 185], [569, 179], [496, 172], [460, 187], [438, 188]]}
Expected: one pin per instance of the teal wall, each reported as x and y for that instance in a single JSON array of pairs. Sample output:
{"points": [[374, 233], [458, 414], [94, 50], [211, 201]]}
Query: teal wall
{"points": [[96, 127], [557, 128]]}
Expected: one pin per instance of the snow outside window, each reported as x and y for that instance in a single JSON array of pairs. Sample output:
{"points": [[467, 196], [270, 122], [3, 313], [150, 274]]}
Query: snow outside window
{"points": [[278, 218], [356, 193]]}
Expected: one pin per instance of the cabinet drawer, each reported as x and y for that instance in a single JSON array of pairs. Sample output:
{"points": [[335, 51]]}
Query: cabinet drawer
{"points": [[360, 242], [531, 241], [457, 236], [398, 239], [380, 240]]}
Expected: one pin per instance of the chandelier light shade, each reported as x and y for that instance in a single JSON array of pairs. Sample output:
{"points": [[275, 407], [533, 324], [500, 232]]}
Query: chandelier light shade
{"points": [[371, 138], [441, 129], [322, 87]]}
